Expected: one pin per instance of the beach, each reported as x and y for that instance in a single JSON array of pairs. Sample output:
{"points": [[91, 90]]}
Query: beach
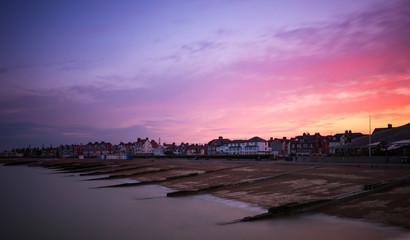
{"points": [[267, 184]]}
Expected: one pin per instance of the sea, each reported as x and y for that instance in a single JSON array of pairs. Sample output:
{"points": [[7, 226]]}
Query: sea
{"points": [[39, 203]]}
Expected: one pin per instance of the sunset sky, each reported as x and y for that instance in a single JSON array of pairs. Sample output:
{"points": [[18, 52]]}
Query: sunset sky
{"points": [[190, 71]]}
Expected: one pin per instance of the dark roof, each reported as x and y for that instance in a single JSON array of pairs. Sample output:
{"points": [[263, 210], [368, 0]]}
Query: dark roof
{"points": [[377, 130], [256, 139], [355, 135], [309, 138], [220, 142], [389, 135], [335, 138], [350, 136]]}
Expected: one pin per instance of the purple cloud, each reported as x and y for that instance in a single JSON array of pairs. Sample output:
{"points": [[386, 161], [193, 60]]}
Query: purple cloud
{"points": [[385, 27], [201, 46], [211, 78]]}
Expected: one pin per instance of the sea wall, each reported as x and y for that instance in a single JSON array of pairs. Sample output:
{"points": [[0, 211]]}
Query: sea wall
{"points": [[358, 159]]}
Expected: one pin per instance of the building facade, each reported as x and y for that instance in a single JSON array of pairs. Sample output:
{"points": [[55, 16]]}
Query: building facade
{"points": [[255, 145]]}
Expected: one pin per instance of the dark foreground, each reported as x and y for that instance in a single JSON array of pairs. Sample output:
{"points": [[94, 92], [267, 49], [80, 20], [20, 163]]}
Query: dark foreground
{"points": [[376, 193]]}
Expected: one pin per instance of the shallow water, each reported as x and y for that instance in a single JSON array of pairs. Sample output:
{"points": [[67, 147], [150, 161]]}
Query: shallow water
{"points": [[36, 204]]}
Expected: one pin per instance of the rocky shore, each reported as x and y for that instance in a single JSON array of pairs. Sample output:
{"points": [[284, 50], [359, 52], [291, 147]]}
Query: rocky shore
{"points": [[376, 193]]}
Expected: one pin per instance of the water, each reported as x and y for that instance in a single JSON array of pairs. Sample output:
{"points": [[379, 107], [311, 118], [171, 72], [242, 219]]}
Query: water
{"points": [[36, 204]]}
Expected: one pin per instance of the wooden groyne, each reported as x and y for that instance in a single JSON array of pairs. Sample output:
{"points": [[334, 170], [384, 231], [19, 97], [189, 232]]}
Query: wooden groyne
{"points": [[131, 174], [171, 178], [19, 162], [150, 181], [292, 187], [314, 204], [115, 170], [230, 185]]}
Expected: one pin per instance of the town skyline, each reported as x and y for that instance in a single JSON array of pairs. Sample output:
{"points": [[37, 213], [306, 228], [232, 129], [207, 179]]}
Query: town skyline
{"points": [[190, 71], [386, 141], [159, 142]]}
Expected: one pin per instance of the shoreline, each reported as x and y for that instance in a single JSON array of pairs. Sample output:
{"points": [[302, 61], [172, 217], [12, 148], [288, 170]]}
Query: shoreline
{"points": [[264, 184]]}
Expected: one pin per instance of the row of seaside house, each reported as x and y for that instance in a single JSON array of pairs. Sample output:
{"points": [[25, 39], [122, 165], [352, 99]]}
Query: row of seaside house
{"points": [[144, 147], [315, 144], [305, 144]]}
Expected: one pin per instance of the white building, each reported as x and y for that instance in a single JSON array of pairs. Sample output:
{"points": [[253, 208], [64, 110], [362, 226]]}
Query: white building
{"points": [[143, 146], [255, 145], [224, 149]]}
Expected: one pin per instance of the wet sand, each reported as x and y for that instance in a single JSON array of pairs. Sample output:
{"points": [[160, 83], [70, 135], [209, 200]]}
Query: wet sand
{"points": [[266, 184]]}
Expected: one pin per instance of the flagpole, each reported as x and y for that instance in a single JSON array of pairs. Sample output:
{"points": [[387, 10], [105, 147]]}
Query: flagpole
{"points": [[370, 135]]}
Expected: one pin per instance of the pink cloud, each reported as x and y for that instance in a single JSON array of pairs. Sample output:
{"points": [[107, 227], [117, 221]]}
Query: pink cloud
{"points": [[364, 73], [316, 77]]}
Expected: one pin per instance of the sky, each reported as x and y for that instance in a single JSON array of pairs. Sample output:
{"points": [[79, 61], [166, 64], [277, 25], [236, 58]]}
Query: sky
{"points": [[189, 71]]}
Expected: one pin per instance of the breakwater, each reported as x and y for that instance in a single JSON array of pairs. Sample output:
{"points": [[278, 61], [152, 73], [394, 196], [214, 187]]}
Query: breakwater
{"points": [[272, 185], [59, 206]]}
